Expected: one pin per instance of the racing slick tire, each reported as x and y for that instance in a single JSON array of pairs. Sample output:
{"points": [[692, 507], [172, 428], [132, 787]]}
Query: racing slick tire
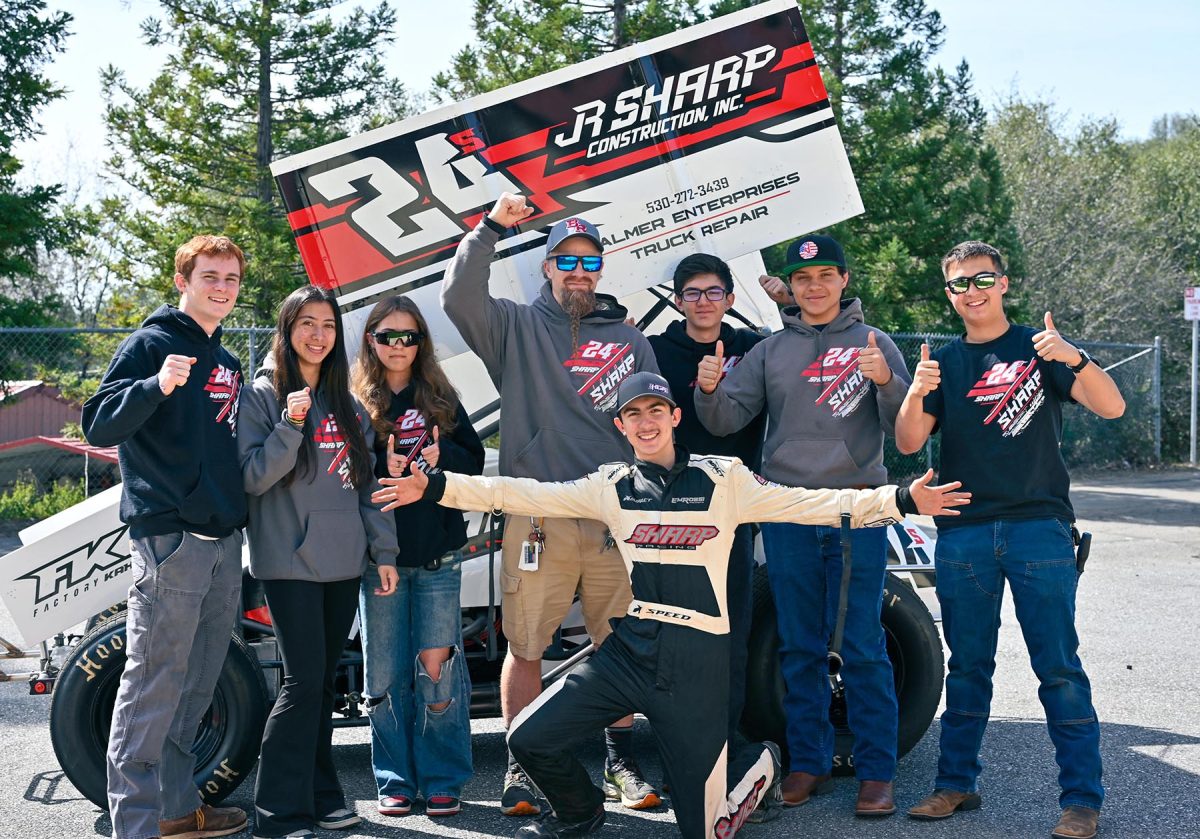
{"points": [[81, 708], [913, 645]]}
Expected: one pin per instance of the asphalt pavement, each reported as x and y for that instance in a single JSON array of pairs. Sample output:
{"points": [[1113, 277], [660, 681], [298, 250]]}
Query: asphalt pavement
{"points": [[1137, 619]]}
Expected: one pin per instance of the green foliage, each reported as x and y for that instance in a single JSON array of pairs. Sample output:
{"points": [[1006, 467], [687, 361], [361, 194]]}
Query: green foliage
{"points": [[29, 38], [24, 501], [520, 39], [245, 83]]}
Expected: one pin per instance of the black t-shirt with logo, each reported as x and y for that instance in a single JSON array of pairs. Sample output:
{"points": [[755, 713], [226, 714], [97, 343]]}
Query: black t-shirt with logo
{"points": [[999, 409]]}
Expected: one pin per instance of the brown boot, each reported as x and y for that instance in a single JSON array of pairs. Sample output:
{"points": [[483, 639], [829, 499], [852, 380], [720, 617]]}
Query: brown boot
{"points": [[943, 803], [798, 787], [205, 822], [1077, 823], [875, 799]]}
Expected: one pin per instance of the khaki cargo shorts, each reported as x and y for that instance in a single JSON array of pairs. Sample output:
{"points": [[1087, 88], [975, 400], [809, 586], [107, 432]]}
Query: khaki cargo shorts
{"points": [[574, 560]]}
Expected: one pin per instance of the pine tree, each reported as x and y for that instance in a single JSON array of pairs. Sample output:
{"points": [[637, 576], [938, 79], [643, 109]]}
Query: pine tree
{"points": [[246, 82]]}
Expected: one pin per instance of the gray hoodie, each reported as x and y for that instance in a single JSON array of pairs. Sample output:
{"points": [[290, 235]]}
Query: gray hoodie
{"points": [[319, 527], [556, 422], [825, 420]]}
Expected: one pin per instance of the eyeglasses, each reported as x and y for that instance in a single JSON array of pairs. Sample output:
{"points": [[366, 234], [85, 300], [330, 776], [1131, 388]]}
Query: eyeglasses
{"points": [[568, 261], [983, 281], [714, 293], [398, 337]]}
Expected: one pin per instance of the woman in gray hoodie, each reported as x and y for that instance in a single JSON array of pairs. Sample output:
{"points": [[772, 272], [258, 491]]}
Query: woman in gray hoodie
{"points": [[306, 449]]}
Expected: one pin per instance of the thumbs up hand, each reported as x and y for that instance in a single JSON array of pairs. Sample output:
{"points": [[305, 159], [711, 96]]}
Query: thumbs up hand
{"points": [[711, 369], [432, 452], [928, 375], [298, 404], [872, 363], [1051, 346], [777, 290]]}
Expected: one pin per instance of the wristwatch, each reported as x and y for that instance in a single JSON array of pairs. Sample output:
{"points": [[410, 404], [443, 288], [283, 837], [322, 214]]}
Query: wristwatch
{"points": [[1084, 361]]}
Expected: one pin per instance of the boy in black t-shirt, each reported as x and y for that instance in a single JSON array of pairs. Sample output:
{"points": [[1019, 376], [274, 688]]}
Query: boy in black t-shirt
{"points": [[996, 395]]}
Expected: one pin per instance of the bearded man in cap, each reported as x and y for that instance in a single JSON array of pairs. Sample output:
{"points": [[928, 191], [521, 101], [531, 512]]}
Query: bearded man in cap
{"points": [[832, 387], [557, 364]]}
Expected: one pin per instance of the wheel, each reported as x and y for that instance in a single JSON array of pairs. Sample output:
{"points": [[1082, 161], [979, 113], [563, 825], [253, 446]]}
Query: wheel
{"points": [[913, 645], [81, 710]]}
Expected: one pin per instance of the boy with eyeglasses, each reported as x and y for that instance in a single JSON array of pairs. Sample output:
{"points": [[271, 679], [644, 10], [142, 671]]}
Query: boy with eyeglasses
{"points": [[996, 395], [703, 287], [557, 364], [831, 386]]}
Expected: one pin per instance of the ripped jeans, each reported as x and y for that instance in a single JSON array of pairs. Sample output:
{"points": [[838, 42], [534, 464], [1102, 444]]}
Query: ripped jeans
{"points": [[415, 748]]}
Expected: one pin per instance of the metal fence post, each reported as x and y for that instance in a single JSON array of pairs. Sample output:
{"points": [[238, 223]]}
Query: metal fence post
{"points": [[1156, 395], [253, 342]]}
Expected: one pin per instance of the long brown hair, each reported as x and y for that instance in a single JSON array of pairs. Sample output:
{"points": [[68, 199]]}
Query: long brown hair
{"points": [[333, 381], [433, 395]]}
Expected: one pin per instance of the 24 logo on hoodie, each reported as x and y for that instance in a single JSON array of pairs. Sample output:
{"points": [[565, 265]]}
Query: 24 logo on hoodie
{"points": [[600, 366], [328, 437], [223, 388], [842, 385], [1014, 390]]}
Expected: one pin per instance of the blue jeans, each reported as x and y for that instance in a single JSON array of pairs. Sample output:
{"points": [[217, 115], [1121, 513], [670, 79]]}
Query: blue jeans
{"points": [[182, 610], [804, 565], [413, 747], [1037, 558]]}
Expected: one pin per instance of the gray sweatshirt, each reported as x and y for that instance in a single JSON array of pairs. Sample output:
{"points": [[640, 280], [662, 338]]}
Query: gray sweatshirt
{"points": [[556, 421], [319, 527], [825, 420]]}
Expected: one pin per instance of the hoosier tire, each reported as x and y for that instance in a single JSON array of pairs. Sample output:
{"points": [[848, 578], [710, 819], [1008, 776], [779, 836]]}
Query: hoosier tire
{"points": [[913, 645], [81, 709]]}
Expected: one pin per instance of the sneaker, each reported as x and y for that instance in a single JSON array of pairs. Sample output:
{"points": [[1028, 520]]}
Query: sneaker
{"points": [[623, 782], [442, 805], [204, 822], [339, 819], [551, 826], [771, 805], [395, 805], [519, 798], [295, 834]]}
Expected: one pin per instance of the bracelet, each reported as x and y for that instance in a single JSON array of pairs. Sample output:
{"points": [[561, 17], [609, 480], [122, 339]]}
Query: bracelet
{"points": [[294, 423]]}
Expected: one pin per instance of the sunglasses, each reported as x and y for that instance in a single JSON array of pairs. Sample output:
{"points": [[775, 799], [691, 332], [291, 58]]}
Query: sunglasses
{"points": [[568, 261], [983, 281], [714, 293], [398, 337]]}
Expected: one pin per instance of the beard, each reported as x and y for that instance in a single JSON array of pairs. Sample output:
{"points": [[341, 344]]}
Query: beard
{"points": [[577, 305]]}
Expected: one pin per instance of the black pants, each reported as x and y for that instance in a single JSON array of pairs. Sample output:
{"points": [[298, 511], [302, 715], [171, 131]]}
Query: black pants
{"points": [[297, 783], [688, 718], [740, 597]]}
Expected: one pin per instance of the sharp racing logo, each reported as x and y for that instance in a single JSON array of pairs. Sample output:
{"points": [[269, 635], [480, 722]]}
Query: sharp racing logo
{"points": [[600, 367], [678, 537], [328, 437], [1014, 390], [223, 388], [78, 570], [843, 386]]}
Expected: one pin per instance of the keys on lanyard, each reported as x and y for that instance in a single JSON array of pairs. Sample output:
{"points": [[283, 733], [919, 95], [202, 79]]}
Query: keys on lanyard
{"points": [[532, 547]]}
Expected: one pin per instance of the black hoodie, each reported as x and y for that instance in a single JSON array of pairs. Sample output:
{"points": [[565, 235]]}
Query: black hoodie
{"points": [[178, 453], [678, 357]]}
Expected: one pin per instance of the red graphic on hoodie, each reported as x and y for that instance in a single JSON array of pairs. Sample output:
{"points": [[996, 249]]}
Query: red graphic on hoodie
{"points": [[223, 388], [328, 438], [411, 436], [598, 368], [1014, 390], [842, 385]]}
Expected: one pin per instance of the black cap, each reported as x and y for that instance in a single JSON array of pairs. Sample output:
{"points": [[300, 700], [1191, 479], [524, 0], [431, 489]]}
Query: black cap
{"points": [[569, 227], [814, 250], [643, 384]]}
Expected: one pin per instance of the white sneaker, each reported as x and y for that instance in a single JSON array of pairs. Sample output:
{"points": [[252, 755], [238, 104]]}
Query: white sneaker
{"points": [[339, 819]]}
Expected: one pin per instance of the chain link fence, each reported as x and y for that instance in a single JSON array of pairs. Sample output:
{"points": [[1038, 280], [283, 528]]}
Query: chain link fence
{"points": [[46, 374]]}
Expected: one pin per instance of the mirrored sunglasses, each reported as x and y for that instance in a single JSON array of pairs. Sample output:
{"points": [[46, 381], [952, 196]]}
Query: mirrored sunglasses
{"points": [[568, 261], [398, 337], [983, 281]]}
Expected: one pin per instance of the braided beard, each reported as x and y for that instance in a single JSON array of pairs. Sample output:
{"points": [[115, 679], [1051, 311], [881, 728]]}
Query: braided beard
{"points": [[577, 305]]}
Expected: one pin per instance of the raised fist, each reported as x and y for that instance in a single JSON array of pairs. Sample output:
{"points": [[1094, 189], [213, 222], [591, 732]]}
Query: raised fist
{"points": [[777, 290], [174, 372], [298, 404], [510, 209]]}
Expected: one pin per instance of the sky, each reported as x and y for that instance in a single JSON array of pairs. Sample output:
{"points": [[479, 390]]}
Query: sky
{"points": [[1093, 58]]}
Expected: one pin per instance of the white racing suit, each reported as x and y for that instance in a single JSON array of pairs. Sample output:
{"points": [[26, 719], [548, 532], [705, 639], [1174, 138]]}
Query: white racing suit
{"points": [[668, 657]]}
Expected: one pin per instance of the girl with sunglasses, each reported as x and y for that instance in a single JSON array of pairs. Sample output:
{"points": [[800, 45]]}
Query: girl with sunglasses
{"points": [[417, 686], [306, 451]]}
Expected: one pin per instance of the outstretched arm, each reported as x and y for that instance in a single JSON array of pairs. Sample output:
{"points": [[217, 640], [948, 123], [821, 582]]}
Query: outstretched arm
{"points": [[521, 496]]}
